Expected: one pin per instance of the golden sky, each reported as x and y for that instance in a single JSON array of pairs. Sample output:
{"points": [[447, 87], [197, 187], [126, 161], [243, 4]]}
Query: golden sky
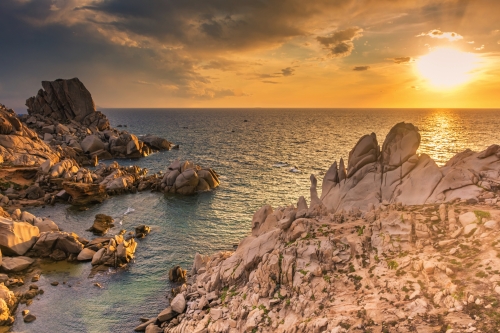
{"points": [[256, 53]]}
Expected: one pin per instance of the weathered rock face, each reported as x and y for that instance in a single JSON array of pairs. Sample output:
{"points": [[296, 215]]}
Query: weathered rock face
{"points": [[397, 174], [20, 146], [62, 100], [400, 144], [16, 238], [84, 194]]}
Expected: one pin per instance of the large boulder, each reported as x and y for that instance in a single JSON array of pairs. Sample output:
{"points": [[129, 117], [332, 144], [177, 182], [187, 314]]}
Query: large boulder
{"points": [[400, 144], [91, 144], [16, 238], [156, 142], [16, 264], [69, 243]]}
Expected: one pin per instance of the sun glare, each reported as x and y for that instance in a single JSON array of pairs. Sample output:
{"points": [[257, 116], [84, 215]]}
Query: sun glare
{"points": [[447, 68]]}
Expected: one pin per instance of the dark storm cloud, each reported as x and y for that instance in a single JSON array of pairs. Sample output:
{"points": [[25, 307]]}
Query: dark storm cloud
{"points": [[340, 42], [361, 68]]}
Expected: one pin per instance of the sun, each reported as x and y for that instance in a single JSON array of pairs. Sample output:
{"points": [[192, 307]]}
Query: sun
{"points": [[447, 68]]}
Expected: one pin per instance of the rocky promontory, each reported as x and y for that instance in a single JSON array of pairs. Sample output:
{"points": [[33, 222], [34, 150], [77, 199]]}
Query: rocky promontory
{"points": [[47, 156], [394, 244], [63, 114]]}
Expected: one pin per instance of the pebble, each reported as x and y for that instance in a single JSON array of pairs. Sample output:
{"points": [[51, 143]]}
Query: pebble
{"points": [[29, 318], [55, 283]]}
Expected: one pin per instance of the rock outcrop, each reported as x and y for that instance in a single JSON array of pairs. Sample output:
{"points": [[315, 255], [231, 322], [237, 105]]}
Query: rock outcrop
{"points": [[19, 145], [188, 178], [63, 114], [396, 174], [395, 268]]}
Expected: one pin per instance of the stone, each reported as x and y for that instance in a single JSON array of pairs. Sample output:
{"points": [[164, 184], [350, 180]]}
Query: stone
{"points": [[177, 274], [142, 230], [469, 228], [91, 144], [215, 314], [142, 327], [86, 254], [467, 218], [178, 304], [48, 242], [29, 318], [166, 314], [85, 194], [48, 129], [34, 192], [156, 142], [491, 224], [16, 264], [16, 238], [102, 224], [45, 225]]}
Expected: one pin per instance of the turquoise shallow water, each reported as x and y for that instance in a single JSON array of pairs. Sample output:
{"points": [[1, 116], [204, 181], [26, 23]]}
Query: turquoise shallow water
{"points": [[243, 153]]}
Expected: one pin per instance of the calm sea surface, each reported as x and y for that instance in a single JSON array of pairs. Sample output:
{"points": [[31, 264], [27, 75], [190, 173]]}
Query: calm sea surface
{"points": [[242, 145]]}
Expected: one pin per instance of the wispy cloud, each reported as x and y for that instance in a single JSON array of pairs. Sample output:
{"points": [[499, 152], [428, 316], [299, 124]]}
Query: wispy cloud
{"points": [[436, 33], [401, 60], [361, 68]]}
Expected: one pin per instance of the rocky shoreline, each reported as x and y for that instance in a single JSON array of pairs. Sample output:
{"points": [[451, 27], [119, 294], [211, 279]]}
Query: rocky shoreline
{"points": [[52, 156], [393, 244]]}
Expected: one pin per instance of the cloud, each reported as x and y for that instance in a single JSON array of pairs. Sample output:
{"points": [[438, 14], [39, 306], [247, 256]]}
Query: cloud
{"points": [[268, 81], [401, 60], [479, 48], [361, 68], [287, 71], [451, 36], [340, 43]]}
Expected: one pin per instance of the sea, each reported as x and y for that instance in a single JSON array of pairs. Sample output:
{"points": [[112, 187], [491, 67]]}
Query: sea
{"points": [[253, 151]]}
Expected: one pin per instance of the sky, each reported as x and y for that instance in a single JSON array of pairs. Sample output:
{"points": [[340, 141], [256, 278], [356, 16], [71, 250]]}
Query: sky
{"points": [[255, 53]]}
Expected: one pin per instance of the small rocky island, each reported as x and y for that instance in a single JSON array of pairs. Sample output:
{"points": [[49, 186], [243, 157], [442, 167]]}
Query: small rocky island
{"points": [[393, 244], [52, 156]]}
